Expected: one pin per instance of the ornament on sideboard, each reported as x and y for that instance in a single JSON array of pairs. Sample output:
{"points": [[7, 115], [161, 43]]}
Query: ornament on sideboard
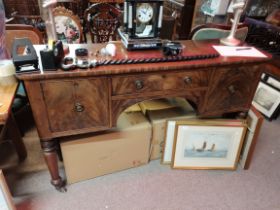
{"points": [[237, 7], [142, 24], [48, 6]]}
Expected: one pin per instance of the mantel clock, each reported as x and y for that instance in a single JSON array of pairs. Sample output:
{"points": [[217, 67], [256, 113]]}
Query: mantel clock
{"points": [[142, 23]]}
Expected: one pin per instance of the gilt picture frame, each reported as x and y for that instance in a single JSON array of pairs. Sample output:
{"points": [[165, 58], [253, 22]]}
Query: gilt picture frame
{"points": [[255, 121], [266, 99], [209, 144], [5, 195], [68, 26]]}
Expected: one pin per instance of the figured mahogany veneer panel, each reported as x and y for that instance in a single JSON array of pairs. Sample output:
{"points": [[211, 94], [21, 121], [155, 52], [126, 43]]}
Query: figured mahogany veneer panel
{"points": [[159, 82], [231, 89], [76, 104]]}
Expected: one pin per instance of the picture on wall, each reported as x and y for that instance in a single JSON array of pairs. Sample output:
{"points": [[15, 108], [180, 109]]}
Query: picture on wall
{"points": [[266, 99], [207, 145]]}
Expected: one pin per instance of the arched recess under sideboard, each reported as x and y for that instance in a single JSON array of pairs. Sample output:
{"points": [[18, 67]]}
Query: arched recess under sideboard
{"points": [[118, 106]]}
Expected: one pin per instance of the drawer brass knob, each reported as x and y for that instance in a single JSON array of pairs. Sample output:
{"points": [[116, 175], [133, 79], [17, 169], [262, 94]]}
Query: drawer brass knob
{"points": [[79, 107], [231, 89], [139, 84], [188, 80]]}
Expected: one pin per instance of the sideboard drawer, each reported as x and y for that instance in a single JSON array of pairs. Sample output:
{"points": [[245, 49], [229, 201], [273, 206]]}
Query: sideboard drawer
{"points": [[231, 89], [76, 104], [122, 85]]}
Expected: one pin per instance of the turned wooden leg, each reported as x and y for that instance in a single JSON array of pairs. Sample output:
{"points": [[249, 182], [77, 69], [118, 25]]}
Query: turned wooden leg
{"points": [[15, 135], [59, 154], [49, 149]]}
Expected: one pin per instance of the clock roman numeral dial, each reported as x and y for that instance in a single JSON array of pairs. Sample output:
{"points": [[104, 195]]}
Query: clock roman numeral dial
{"points": [[144, 12]]}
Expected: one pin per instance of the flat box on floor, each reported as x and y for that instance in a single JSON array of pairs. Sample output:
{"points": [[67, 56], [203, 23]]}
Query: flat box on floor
{"points": [[158, 112], [126, 147]]}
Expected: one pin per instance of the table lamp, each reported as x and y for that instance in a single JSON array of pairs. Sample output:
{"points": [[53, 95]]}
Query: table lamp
{"points": [[237, 7]]}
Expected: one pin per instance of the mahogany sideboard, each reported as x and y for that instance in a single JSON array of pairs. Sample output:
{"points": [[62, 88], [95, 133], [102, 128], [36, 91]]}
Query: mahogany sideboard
{"points": [[66, 103]]}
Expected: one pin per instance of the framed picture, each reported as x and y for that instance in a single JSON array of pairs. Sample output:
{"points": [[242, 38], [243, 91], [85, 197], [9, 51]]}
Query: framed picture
{"points": [[5, 195], [266, 99], [273, 82], [254, 120], [169, 136], [207, 145], [168, 142]]}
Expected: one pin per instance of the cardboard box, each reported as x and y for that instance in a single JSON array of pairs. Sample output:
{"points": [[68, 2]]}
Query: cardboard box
{"points": [[133, 108], [158, 112], [126, 147], [164, 104], [157, 104]]}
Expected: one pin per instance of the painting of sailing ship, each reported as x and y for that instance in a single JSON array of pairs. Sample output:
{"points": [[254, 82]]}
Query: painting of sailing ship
{"points": [[208, 145], [213, 144]]}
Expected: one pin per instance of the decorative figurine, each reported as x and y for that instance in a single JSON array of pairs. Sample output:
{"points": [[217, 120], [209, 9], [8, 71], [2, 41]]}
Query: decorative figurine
{"points": [[142, 24], [230, 40], [49, 19]]}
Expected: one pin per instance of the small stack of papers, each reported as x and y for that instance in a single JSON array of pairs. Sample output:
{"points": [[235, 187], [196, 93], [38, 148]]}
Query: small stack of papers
{"points": [[245, 51]]}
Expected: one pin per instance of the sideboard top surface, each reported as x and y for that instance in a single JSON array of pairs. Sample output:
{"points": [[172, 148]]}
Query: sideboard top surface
{"points": [[189, 48]]}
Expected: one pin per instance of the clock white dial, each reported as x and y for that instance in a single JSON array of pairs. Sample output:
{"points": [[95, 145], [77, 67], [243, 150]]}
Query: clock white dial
{"points": [[144, 12]]}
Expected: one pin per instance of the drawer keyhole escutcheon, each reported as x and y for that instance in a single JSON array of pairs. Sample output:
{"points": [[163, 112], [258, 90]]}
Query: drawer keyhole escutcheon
{"points": [[139, 84], [231, 89], [188, 80], [79, 107]]}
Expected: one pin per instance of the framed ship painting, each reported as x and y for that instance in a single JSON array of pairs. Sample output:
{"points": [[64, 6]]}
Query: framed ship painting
{"points": [[170, 131], [208, 144]]}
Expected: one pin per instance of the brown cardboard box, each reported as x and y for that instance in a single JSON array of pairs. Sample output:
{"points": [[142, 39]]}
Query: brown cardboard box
{"points": [[158, 104], [158, 111], [126, 147], [133, 108]]}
